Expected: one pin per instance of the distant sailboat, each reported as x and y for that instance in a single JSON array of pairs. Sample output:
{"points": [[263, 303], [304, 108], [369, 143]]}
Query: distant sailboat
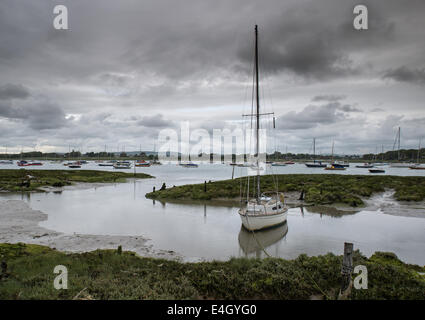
{"points": [[334, 166], [399, 164], [418, 165], [315, 164]]}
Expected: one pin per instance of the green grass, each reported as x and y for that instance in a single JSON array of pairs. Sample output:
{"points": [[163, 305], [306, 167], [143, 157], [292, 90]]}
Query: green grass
{"points": [[319, 188], [107, 274], [17, 181]]}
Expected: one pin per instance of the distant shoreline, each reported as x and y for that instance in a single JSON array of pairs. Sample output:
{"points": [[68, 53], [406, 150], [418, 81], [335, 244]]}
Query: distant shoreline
{"points": [[17, 180]]}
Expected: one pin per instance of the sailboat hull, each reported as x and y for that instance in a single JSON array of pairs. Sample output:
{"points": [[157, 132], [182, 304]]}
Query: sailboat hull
{"points": [[262, 221]]}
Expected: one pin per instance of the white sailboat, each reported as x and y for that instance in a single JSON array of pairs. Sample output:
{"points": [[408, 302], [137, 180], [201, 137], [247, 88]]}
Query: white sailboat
{"points": [[267, 209], [418, 165], [399, 164]]}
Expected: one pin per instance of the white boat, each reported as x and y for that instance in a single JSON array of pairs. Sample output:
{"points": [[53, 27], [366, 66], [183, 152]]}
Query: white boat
{"points": [[418, 165], [278, 164], [264, 213], [122, 165], [263, 210], [6, 161], [399, 164]]}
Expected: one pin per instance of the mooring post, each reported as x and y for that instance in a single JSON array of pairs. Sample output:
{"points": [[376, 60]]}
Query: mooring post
{"points": [[233, 172], [205, 186], [153, 190], [346, 270]]}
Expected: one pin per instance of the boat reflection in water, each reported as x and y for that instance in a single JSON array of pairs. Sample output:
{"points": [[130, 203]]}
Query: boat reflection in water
{"points": [[258, 241]]}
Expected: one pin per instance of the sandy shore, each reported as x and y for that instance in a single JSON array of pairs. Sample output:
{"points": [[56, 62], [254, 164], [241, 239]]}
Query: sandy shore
{"points": [[19, 223]]}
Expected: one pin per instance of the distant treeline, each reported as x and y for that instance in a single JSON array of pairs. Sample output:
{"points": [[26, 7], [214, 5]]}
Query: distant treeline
{"points": [[72, 155], [402, 155]]}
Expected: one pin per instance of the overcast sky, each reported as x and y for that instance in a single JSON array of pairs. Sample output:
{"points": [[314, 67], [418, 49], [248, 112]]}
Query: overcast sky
{"points": [[126, 69]]}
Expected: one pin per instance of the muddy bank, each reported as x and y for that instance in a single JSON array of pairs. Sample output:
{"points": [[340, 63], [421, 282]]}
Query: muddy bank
{"points": [[19, 223]]}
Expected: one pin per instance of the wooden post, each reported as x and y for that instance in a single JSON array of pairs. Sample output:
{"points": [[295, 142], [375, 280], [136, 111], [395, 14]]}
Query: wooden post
{"points": [[346, 270], [233, 172], [302, 195]]}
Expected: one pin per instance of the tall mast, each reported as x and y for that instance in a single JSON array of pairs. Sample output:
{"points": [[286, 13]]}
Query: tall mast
{"points": [[258, 110], [398, 153], [419, 149], [314, 149]]}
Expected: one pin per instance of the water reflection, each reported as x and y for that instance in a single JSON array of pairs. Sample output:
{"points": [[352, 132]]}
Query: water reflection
{"points": [[258, 242], [213, 231]]}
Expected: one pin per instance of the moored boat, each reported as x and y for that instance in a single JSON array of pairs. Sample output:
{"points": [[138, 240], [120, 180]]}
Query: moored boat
{"points": [[24, 163], [365, 165], [188, 165], [316, 164], [262, 210], [75, 165], [142, 163], [279, 164], [376, 170], [122, 165], [335, 167], [417, 167]]}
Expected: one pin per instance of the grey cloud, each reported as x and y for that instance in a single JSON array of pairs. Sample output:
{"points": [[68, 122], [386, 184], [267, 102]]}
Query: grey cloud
{"points": [[13, 91], [404, 74], [329, 97], [144, 59], [312, 116], [156, 121], [38, 115]]}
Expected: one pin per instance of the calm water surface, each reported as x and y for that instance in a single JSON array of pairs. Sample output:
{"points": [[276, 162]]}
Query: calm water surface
{"points": [[214, 232]]}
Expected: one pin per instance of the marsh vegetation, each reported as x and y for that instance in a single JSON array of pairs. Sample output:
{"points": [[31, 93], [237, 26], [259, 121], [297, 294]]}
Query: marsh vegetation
{"points": [[112, 274], [318, 189], [22, 180]]}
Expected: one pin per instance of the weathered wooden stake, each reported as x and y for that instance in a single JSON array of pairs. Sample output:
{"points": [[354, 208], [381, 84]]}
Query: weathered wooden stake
{"points": [[346, 270], [233, 172], [205, 186]]}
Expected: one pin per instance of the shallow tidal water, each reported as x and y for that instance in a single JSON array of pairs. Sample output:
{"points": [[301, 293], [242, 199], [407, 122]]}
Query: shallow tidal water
{"points": [[197, 231]]}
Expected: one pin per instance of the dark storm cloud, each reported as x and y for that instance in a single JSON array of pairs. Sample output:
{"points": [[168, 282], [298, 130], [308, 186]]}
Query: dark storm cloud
{"points": [[122, 65], [13, 91], [38, 116], [329, 97], [404, 74], [312, 116]]}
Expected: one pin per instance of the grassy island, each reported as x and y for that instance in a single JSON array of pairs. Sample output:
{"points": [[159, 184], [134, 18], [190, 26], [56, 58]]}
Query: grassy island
{"points": [[112, 274], [22, 180], [317, 188]]}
